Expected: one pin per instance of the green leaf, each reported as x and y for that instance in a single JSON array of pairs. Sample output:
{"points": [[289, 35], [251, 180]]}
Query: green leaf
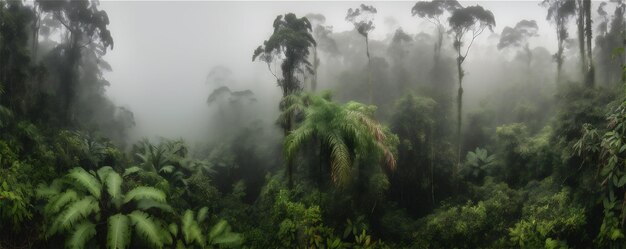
{"points": [[622, 181], [147, 228], [114, 188], [202, 214], [61, 201], [131, 170], [74, 213], [86, 180], [118, 235], [143, 192], [228, 239], [218, 229], [191, 230], [104, 172], [81, 235], [146, 204]]}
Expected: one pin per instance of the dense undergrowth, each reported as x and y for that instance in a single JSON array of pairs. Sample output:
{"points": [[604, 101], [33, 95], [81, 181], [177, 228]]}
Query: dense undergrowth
{"points": [[542, 165]]}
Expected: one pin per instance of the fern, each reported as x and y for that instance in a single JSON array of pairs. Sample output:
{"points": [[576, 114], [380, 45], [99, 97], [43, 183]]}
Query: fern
{"points": [[104, 172], [61, 201], [45, 191], [202, 214], [86, 180], [118, 235], [147, 228], [131, 170], [191, 229], [220, 234], [143, 192], [74, 213], [81, 235], [114, 188], [146, 204]]}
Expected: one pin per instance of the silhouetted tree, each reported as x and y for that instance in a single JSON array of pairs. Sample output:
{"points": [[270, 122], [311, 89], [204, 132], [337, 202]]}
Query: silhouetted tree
{"points": [[291, 40], [518, 37], [85, 26], [433, 11], [474, 20], [363, 20], [559, 12]]}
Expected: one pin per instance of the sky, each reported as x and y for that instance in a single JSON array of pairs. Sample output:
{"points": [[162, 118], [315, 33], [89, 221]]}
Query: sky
{"points": [[164, 51]]}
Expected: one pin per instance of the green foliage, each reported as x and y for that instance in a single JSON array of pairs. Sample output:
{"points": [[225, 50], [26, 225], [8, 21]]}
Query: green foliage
{"points": [[78, 204], [345, 132], [548, 221], [477, 164], [292, 39]]}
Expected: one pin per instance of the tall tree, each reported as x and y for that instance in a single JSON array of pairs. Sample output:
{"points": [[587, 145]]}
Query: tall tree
{"points": [[590, 73], [290, 42], [86, 28], [433, 11], [474, 20], [559, 12], [325, 43], [518, 37], [583, 22], [363, 20], [15, 68]]}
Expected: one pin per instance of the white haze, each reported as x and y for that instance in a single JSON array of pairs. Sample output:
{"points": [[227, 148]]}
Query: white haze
{"points": [[164, 51]]}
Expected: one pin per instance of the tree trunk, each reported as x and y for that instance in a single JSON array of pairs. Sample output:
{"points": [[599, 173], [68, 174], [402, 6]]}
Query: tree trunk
{"points": [[369, 70], [459, 102], [432, 166], [590, 76], [315, 65], [580, 23]]}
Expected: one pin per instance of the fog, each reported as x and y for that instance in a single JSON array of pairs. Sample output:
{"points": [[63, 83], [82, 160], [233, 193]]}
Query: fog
{"points": [[164, 52]]}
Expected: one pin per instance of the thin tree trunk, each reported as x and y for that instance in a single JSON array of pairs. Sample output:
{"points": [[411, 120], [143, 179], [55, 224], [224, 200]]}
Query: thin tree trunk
{"points": [[459, 102], [369, 70], [315, 65], [590, 78], [580, 23], [432, 166]]}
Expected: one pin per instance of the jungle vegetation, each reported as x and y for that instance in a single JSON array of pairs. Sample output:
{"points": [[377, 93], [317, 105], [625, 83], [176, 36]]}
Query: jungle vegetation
{"points": [[389, 157]]}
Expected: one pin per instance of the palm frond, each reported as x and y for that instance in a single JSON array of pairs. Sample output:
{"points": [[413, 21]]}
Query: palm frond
{"points": [[113, 183], [86, 180], [147, 228], [49, 191], [60, 201], [104, 172], [131, 170], [118, 235], [203, 213], [340, 160], [81, 235], [74, 213], [191, 229], [146, 204], [143, 192], [221, 234], [296, 139]]}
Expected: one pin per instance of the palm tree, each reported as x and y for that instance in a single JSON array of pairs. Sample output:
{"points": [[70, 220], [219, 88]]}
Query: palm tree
{"points": [[345, 133], [85, 204]]}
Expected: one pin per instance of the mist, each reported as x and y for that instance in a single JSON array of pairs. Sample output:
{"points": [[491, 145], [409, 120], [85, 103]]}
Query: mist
{"points": [[430, 124], [165, 51]]}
